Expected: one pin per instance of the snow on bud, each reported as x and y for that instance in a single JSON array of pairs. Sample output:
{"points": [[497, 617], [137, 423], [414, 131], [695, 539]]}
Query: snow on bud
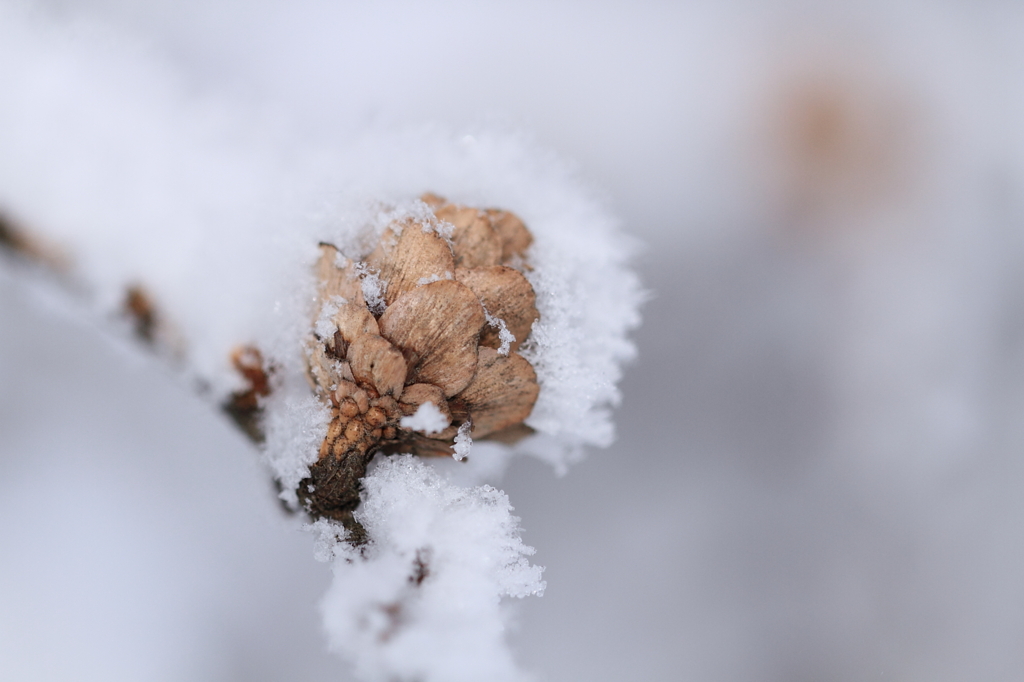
{"points": [[427, 419], [414, 374]]}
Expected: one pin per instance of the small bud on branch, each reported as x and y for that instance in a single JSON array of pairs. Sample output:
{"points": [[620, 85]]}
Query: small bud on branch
{"points": [[454, 306]]}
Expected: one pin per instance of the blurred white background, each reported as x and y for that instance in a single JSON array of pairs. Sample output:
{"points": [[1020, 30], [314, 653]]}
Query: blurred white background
{"points": [[818, 470]]}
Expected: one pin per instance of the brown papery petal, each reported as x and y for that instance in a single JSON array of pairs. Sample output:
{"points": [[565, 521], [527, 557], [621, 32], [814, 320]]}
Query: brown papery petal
{"points": [[437, 326], [337, 281], [432, 200], [512, 234], [415, 395], [421, 445], [474, 240], [355, 320], [503, 392], [510, 435], [506, 294], [376, 362], [409, 257], [324, 371]]}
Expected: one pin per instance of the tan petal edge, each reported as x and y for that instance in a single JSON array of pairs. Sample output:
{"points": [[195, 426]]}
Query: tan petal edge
{"points": [[437, 326]]}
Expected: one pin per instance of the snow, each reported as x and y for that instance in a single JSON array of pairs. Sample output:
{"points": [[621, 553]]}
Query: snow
{"points": [[463, 442], [373, 288], [324, 326], [427, 420], [423, 600], [506, 337], [296, 423], [434, 278]]}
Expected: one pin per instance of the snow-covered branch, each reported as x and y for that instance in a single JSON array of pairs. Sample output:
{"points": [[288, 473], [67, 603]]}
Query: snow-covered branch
{"points": [[203, 226]]}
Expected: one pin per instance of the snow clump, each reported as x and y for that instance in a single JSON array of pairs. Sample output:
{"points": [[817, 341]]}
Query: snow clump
{"points": [[427, 420], [423, 599]]}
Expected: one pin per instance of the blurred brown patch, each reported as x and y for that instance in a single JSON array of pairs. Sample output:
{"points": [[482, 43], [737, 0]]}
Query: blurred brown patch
{"points": [[843, 143], [22, 243], [243, 406], [140, 309]]}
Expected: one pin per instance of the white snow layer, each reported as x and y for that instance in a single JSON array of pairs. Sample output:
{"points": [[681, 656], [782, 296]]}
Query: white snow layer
{"points": [[217, 210], [427, 419], [422, 601]]}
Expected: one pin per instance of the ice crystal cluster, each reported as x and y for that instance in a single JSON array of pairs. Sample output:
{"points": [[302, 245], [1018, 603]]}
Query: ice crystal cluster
{"points": [[198, 225], [422, 602]]}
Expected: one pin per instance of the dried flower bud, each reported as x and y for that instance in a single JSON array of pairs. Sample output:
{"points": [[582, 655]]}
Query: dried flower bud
{"points": [[434, 342]]}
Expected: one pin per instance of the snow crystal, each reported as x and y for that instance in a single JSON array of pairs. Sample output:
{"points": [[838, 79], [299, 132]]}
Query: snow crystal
{"points": [[330, 536], [443, 228], [463, 442], [447, 274], [395, 216], [296, 424], [423, 600], [506, 337], [373, 288], [325, 326], [427, 419]]}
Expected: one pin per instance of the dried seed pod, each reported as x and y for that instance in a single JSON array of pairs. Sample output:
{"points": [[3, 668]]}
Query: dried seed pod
{"points": [[431, 344], [503, 392], [376, 362], [506, 294], [438, 327], [409, 253], [335, 430]]}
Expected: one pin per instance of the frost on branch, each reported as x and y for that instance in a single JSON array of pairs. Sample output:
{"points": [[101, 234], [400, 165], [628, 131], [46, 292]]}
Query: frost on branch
{"points": [[421, 601], [200, 234]]}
